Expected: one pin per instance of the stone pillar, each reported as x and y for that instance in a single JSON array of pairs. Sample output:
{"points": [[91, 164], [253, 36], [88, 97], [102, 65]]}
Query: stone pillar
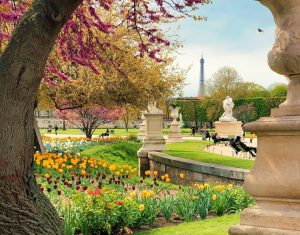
{"points": [[153, 141], [175, 133], [142, 129], [274, 179]]}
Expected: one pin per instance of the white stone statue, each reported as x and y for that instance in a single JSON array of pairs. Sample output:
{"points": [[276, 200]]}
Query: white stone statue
{"points": [[153, 109], [228, 106], [181, 120]]}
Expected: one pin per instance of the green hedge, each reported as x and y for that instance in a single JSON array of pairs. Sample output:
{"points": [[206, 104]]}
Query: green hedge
{"points": [[197, 109], [262, 106]]}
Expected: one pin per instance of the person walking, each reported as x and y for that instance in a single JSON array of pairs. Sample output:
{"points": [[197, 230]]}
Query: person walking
{"points": [[207, 135], [55, 129], [193, 130], [251, 137]]}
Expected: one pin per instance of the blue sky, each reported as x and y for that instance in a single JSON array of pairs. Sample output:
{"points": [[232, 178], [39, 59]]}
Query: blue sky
{"points": [[229, 37]]}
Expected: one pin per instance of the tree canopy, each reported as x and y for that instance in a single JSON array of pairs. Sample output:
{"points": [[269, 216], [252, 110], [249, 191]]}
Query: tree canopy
{"points": [[50, 40], [85, 39]]}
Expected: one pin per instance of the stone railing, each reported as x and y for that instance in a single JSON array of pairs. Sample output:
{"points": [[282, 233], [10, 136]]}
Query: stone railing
{"points": [[195, 172]]}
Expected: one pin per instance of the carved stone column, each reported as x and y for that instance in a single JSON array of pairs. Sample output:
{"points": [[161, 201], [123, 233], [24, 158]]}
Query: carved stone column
{"points": [[142, 129], [275, 177]]}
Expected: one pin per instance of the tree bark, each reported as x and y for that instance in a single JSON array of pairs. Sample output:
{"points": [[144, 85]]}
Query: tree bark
{"points": [[88, 133], [23, 207]]}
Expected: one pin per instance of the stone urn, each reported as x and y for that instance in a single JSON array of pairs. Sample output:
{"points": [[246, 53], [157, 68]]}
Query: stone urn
{"points": [[174, 114], [284, 58], [274, 179]]}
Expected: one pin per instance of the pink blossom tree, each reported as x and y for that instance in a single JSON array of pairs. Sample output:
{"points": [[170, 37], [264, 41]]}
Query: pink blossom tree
{"points": [[33, 36], [89, 118]]}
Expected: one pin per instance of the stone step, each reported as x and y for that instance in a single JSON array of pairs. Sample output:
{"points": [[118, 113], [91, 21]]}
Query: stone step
{"points": [[272, 218]]}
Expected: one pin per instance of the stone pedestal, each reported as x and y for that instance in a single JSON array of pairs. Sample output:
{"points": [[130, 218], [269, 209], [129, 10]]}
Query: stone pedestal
{"points": [[225, 129], [142, 130], [175, 133], [274, 180], [153, 141]]}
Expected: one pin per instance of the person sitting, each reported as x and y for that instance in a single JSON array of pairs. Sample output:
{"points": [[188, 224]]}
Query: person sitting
{"points": [[105, 134], [216, 138], [234, 146], [243, 147]]}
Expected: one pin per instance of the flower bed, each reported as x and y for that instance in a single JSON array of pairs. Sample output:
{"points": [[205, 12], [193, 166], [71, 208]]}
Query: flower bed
{"points": [[74, 145], [96, 197]]}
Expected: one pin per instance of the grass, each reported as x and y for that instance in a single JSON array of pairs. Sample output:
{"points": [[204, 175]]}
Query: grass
{"points": [[194, 150], [214, 226], [118, 132], [118, 152], [122, 132]]}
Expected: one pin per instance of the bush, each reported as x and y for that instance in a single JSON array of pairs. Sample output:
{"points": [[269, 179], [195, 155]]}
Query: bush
{"points": [[132, 137]]}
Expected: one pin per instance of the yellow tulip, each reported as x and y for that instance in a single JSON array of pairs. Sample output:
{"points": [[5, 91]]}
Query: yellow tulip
{"points": [[141, 207]]}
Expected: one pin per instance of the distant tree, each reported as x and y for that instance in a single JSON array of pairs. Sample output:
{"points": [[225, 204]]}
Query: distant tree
{"points": [[279, 90], [130, 113], [245, 113], [225, 82], [193, 110], [89, 118], [254, 90]]}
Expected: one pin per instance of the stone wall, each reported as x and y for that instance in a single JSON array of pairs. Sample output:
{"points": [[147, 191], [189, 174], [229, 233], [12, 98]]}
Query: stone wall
{"points": [[195, 172]]}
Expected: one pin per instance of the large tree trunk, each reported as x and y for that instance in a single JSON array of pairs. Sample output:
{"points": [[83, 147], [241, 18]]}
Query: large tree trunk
{"points": [[23, 207], [89, 133]]}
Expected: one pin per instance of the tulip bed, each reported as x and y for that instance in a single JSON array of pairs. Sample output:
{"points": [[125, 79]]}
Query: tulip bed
{"points": [[96, 197], [74, 145]]}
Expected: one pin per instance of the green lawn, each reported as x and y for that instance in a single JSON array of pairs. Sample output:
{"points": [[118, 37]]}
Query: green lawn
{"points": [[194, 150], [118, 132], [215, 226], [117, 152]]}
